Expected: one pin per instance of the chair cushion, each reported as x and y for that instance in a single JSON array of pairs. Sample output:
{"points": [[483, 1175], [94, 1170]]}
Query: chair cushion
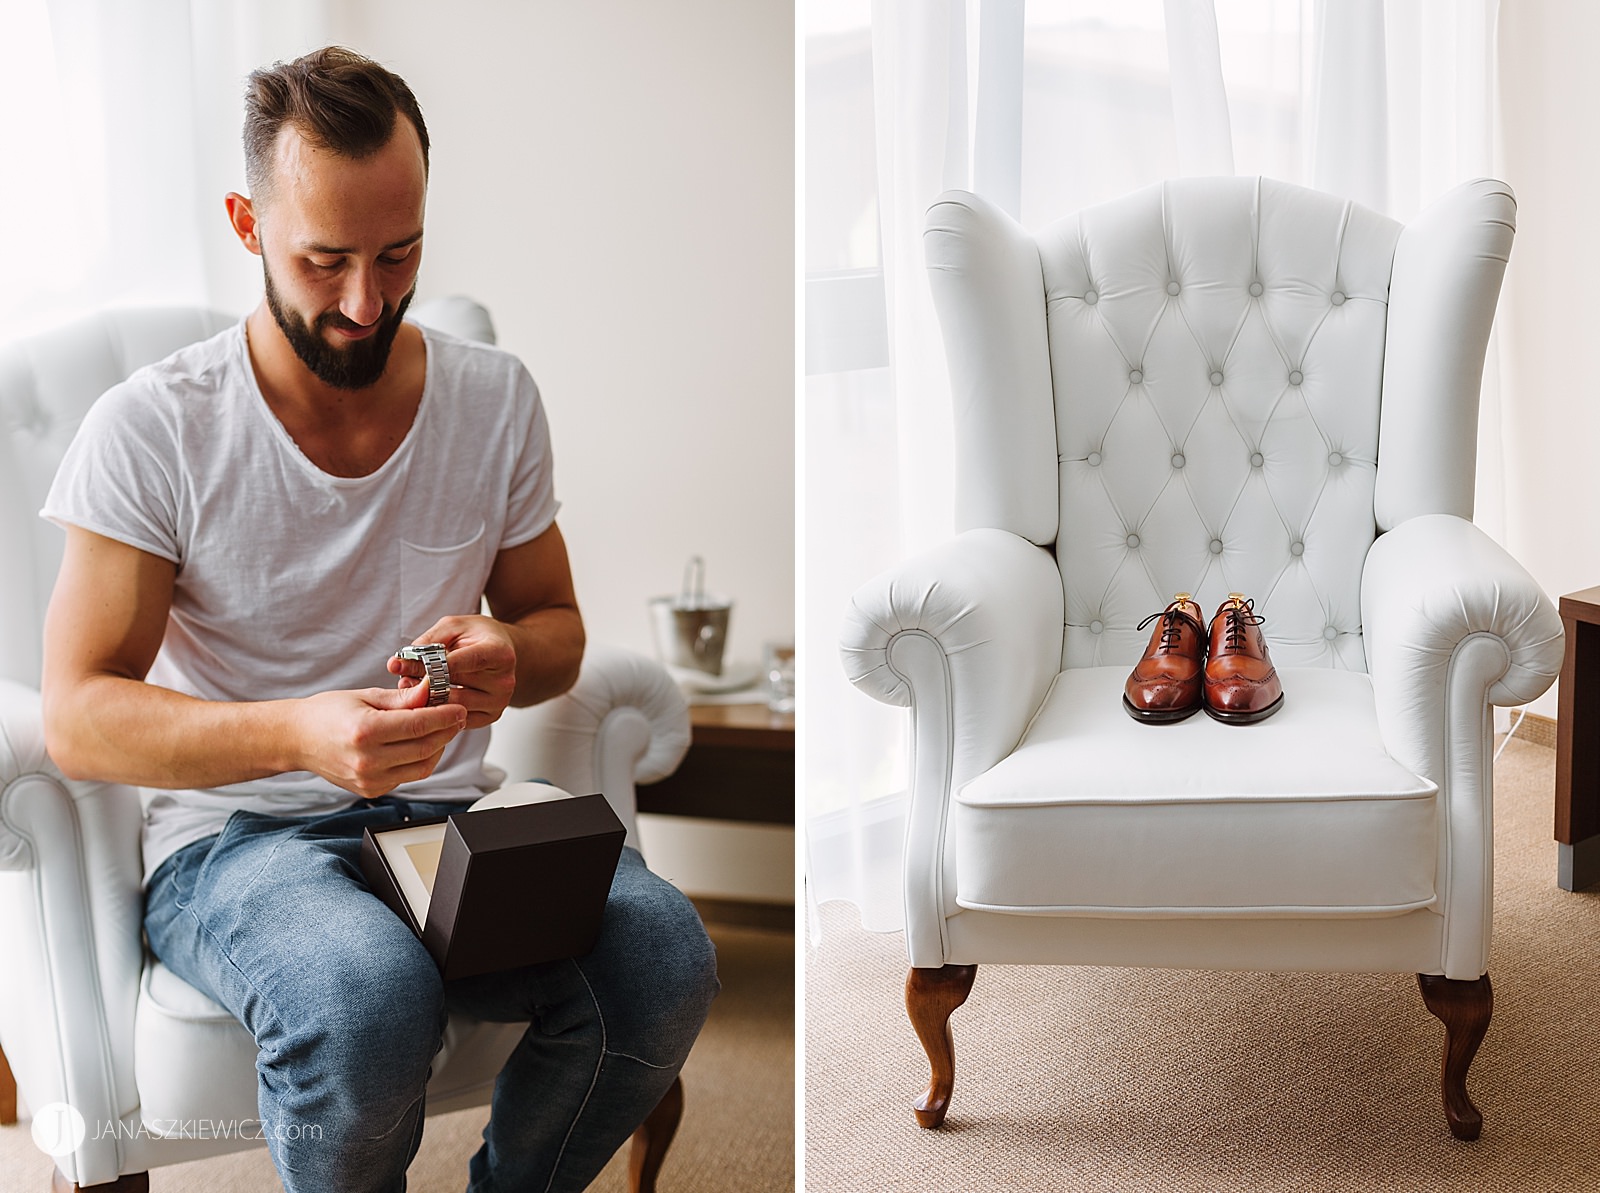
{"points": [[1095, 814], [192, 1060], [195, 1064]]}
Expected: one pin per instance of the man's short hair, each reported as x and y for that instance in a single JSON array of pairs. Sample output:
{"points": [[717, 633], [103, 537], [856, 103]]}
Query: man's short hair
{"points": [[336, 99]]}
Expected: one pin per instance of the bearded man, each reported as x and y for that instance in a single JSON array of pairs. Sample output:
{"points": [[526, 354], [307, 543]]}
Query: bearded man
{"points": [[252, 526]]}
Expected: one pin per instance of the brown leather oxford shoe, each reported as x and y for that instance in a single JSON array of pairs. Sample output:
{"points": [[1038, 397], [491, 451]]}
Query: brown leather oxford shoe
{"points": [[1241, 684], [1165, 685]]}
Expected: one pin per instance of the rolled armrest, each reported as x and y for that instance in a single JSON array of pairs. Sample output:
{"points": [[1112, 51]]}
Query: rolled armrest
{"points": [[22, 754], [1453, 624], [992, 604], [968, 635], [103, 820], [624, 722], [1431, 586], [70, 910]]}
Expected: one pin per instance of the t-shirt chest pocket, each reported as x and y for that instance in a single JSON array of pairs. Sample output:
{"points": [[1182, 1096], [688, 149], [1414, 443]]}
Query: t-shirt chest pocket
{"points": [[441, 581]]}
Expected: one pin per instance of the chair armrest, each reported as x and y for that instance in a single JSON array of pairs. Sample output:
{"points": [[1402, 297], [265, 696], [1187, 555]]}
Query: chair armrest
{"points": [[1452, 625], [22, 756], [1443, 605], [968, 635], [624, 722], [71, 904]]}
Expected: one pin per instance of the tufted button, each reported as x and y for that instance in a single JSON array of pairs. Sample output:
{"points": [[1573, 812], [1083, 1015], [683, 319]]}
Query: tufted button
{"points": [[1132, 540], [1255, 289], [1095, 627], [1338, 298], [1137, 376], [1173, 288], [1177, 459], [1216, 377], [1090, 297], [1257, 459], [1330, 633], [1335, 459], [1216, 546], [1093, 460], [1297, 548], [1296, 377]]}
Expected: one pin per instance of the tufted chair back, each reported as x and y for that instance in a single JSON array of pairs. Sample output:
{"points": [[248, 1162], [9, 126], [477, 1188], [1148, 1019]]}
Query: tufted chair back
{"points": [[47, 384], [1192, 389]]}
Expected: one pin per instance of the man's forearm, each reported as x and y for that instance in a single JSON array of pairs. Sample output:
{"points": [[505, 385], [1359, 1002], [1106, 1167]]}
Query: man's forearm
{"points": [[117, 729], [114, 729]]}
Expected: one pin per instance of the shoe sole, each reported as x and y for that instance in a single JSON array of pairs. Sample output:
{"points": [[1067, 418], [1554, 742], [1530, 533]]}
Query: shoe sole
{"points": [[1243, 718], [1158, 716]]}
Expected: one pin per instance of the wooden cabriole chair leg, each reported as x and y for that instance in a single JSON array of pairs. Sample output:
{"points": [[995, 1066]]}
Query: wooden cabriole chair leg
{"points": [[1464, 1008], [8, 1092], [134, 1182], [651, 1140], [932, 995]]}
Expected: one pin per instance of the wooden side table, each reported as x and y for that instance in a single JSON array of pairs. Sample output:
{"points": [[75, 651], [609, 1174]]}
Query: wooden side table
{"points": [[740, 766], [1578, 744]]}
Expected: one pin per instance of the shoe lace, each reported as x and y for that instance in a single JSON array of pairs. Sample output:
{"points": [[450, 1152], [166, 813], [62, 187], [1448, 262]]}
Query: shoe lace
{"points": [[1239, 615], [1172, 619]]}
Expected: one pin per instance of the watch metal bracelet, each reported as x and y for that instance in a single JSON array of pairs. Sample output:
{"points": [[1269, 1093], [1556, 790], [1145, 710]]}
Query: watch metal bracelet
{"points": [[432, 657]]}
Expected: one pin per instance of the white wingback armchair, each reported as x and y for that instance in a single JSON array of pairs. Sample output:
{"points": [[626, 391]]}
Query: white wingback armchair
{"points": [[1208, 386], [160, 1073]]}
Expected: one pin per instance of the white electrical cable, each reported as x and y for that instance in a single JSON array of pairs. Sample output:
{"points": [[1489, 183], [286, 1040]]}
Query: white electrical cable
{"points": [[1515, 725]]}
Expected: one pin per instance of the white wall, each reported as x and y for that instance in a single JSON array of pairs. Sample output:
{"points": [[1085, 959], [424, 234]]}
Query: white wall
{"points": [[1550, 104], [614, 179]]}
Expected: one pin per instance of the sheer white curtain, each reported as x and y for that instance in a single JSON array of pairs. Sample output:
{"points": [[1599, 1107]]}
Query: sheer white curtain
{"points": [[119, 134], [1045, 106]]}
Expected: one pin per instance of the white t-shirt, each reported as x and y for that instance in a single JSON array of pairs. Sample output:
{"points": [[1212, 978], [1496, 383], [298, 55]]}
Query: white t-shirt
{"points": [[291, 581]]}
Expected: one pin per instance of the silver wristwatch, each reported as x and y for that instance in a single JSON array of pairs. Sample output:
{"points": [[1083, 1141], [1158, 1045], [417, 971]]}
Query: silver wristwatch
{"points": [[431, 656]]}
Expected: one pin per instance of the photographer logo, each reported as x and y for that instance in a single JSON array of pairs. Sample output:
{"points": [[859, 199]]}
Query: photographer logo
{"points": [[58, 1129]]}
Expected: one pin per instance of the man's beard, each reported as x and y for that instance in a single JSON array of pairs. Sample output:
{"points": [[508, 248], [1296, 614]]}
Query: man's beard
{"points": [[358, 364]]}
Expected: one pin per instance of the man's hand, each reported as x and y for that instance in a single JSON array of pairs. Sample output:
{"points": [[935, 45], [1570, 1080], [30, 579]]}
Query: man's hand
{"points": [[370, 742], [482, 656]]}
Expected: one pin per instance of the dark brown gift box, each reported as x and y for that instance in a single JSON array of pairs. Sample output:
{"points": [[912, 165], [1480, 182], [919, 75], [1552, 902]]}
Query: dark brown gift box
{"points": [[515, 886]]}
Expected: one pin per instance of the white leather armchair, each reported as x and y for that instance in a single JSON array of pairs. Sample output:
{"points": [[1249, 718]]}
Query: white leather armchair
{"points": [[160, 1072], [1207, 386]]}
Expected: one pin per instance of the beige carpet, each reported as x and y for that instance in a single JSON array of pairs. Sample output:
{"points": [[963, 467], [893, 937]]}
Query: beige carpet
{"points": [[738, 1123], [1129, 1080]]}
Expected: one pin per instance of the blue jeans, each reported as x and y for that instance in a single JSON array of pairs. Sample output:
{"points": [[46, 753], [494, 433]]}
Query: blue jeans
{"points": [[273, 920]]}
